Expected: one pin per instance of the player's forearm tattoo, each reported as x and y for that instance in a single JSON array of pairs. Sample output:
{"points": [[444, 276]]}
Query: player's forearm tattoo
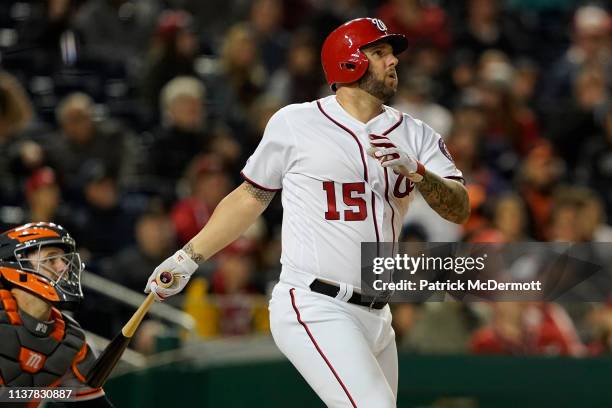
{"points": [[260, 195], [197, 258], [447, 197]]}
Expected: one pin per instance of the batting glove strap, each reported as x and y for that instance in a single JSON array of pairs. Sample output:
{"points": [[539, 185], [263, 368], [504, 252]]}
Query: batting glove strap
{"points": [[181, 266], [184, 262]]}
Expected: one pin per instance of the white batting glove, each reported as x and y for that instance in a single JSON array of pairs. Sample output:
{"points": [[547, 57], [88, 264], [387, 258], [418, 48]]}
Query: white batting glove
{"points": [[181, 266], [389, 155]]}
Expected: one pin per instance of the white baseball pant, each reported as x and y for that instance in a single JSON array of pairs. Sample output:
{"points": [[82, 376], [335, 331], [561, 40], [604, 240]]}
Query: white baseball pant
{"points": [[345, 352]]}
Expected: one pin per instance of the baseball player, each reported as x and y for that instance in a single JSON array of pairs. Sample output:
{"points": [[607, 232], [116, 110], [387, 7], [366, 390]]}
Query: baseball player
{"points": [[347, 165], [40, 272]]}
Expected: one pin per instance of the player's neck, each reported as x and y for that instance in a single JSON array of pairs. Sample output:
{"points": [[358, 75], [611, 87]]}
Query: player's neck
{"points": [[31, 304], [358, 103]]}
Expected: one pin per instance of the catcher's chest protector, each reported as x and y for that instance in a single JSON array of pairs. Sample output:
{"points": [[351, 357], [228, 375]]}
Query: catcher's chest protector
{"points": [[33, 353]]}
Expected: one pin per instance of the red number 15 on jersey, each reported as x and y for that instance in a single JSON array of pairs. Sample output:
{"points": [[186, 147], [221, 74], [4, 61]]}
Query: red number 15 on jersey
{"points": [[350, 196]]}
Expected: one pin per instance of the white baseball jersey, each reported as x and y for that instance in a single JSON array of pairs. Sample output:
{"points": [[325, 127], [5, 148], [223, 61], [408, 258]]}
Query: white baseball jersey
{"points": [[334, 195]]}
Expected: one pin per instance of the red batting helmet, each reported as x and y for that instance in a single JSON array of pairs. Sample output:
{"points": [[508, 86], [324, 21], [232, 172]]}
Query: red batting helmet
{"points": [[341, 56]]}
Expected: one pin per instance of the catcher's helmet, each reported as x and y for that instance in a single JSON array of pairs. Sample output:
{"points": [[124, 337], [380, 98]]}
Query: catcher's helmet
{"points": [[55, 277], [341, 55]]}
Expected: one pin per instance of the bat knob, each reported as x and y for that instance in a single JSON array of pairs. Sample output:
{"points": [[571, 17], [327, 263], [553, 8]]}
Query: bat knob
{"points": [[165, 279]]}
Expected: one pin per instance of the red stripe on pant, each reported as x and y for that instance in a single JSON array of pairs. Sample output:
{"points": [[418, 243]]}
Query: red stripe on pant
{"points": [[299, 319]]}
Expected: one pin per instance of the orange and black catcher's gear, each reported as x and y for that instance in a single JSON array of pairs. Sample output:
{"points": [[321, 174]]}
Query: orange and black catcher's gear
{"points": [[18, 245]]}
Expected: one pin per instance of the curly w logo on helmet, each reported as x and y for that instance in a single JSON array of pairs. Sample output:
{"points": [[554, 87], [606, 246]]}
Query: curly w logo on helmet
{"points": [[379, 24]]}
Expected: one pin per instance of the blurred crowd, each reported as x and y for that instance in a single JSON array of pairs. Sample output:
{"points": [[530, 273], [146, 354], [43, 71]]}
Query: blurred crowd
{"points": [[127, 121]]}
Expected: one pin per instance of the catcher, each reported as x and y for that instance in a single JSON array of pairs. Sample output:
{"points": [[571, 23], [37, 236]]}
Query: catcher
{"points": [[40, 274]]}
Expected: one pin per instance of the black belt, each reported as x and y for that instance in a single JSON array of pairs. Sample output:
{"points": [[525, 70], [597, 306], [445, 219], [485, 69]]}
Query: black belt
{"points": [[356, 299]]}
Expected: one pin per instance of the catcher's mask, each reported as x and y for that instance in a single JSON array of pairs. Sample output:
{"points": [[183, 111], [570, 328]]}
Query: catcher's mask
{"points": [[46, 263]]}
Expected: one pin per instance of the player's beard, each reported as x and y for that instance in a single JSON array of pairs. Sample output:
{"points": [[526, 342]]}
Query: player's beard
{"points": [[376, 87]]}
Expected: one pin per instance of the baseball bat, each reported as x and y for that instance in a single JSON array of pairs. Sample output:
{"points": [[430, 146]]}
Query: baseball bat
{"points": [[106, 362]]}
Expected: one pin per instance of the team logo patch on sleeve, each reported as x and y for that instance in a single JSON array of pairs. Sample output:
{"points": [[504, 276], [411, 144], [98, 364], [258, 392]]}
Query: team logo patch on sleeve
{"points": [[444, 150]]}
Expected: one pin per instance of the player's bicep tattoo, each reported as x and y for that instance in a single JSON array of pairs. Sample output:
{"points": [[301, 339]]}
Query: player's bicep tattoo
{"points": [[260, 195], [448, 198], [197, 258]]}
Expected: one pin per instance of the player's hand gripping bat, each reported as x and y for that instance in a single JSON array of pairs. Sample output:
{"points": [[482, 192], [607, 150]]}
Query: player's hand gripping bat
{"points": [[107, 361]]}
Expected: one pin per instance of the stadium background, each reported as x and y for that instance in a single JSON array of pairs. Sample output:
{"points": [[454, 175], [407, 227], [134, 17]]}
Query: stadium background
{"points": [[127, 122]]}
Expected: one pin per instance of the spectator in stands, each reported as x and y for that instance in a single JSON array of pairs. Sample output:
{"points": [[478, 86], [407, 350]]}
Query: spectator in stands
{"points": [[599, 322], [225, 145], [43, 196], [564, 222], [470, 112], [487, 28], [595, 231], [510, 218], [594, 168], [404, 316], [525, 80], [102, 224], [42, 202], [423, 24], [528, 328], [592, 217], [208, 185], [241, 77], [456, 79], [512, 129], [324, 16], [172, 53], [19, 151], [116, 32], [16, 109], [232, 282], [415, 98], [155, 236], [272, 40], [181, 136], [44, 31], [590, 46], [466, 145], [581, 116], [538, 178], [81, 139], [300, 78], [436, 327]]}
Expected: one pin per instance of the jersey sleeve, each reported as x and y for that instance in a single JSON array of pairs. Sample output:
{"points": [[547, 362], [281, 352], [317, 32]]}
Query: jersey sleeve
{"points": [[269, 163], [435, 156]]}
